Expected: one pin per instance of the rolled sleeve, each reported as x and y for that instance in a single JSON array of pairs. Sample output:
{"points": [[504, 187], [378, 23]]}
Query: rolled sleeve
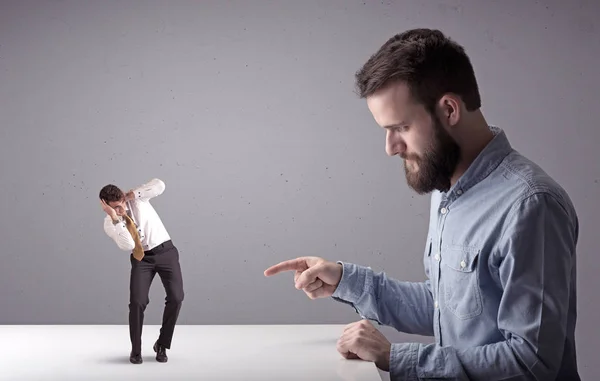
{"points": [[403, 362], [352, 284]]}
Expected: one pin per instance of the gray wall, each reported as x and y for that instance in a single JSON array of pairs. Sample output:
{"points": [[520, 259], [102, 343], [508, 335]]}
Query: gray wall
{"points": [[246, 110]]}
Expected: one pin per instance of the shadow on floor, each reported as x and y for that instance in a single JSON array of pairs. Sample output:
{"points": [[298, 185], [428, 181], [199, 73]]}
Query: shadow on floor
{"points": [[124, 360], [115, 360]]}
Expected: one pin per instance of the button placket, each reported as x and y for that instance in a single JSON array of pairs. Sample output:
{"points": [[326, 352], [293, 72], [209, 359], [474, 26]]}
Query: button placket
{"points": [[443, 213]]}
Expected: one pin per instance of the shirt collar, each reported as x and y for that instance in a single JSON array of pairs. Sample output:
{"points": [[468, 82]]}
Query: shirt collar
{"points": [[486, 162]]}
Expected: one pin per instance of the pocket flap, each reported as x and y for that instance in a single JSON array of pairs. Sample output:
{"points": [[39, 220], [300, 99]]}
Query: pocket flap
{"points": [[460, 258]]}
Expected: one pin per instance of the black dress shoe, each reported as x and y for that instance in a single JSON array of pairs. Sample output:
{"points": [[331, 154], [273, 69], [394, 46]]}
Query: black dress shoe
{"points": [[161, 352], [135, 358]]}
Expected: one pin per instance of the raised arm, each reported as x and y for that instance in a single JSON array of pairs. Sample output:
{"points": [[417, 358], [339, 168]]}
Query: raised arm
{"points": [[537, 261], [406, 306], [153, 188], [117, 230]]}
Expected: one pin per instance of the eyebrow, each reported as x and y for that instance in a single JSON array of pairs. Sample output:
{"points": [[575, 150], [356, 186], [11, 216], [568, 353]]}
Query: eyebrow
{"points": [[395, 125]]}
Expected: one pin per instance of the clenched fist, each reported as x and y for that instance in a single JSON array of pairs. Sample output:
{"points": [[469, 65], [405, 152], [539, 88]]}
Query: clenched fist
{"points": [[363, 341]]}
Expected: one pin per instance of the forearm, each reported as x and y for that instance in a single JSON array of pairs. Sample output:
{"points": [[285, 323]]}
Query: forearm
{"points": [[153, 188], [406, 306], [118, 232]]}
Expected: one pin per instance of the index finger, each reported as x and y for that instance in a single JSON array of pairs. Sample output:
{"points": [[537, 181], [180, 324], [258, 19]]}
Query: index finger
{"points": [[298, 264]]}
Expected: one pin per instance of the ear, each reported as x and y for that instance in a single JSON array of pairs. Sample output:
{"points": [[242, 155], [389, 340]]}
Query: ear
{"points": [[450, 110]]}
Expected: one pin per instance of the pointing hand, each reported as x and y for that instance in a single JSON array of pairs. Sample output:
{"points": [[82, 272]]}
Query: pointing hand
{"points": [[315, 276]]}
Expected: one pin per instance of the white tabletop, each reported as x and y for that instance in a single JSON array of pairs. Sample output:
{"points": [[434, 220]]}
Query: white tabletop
{"points": [[235, 352]]}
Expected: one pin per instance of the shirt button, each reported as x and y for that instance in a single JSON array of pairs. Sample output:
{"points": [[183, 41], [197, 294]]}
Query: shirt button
{"points": [[444, 210], [437, 257], [435, 304], [463, 264], [459, 192]]}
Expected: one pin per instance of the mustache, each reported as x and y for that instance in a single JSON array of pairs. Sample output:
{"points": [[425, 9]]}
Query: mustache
{"points": [[407, 156]]}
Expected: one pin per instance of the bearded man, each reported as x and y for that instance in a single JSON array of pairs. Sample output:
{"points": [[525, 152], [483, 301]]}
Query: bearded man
{"points": [[500, 255]]}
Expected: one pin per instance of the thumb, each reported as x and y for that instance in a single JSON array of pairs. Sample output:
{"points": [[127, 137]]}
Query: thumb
{"points": [[310, 275]]}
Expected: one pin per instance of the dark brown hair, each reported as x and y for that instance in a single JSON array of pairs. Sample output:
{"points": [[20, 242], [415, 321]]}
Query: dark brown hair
{"points": [[429, 63], [111, 193]]}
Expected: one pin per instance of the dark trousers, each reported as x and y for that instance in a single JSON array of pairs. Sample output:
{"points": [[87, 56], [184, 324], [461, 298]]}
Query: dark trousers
{"points": [[164, 260]]}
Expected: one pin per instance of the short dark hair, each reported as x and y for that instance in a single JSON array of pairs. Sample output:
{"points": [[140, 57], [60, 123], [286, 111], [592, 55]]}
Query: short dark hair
{"points": [[428, 62], [111, 193]]}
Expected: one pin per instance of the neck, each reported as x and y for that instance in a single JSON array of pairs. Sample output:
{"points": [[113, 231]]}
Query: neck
{"points": [[474, 137]]}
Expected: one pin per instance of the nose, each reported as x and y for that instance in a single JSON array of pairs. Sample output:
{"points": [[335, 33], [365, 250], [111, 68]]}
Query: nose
{"points": [[394, 145]]}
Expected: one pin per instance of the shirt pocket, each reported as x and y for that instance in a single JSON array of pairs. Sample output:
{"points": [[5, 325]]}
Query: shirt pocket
{"points": [[460, 279]]}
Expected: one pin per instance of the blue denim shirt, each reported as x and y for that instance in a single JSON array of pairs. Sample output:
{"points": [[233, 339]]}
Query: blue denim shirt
{"points": [[500, 289]]}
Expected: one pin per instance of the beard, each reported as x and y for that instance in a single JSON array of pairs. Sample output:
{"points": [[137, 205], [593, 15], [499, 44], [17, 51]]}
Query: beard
{"points": [[436, 165]]}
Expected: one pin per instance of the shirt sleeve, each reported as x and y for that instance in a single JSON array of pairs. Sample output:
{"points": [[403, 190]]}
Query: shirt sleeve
{"points": [[537, 259], [118, 232], [151, 189], [406, 306]]}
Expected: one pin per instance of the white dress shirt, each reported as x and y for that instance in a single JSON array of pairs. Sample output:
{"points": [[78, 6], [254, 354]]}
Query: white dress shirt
{"points": [[151, 230]]}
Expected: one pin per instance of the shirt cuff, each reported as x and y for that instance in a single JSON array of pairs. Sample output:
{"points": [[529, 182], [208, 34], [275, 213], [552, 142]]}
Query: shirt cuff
{"points": [[353, 284], [403, 361]]}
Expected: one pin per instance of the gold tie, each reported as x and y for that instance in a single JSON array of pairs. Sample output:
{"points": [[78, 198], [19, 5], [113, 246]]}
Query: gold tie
{"points": [[138, 251]]}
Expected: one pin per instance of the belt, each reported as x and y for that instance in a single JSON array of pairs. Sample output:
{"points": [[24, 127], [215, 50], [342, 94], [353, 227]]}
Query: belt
{"points": [[167, 245]]}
